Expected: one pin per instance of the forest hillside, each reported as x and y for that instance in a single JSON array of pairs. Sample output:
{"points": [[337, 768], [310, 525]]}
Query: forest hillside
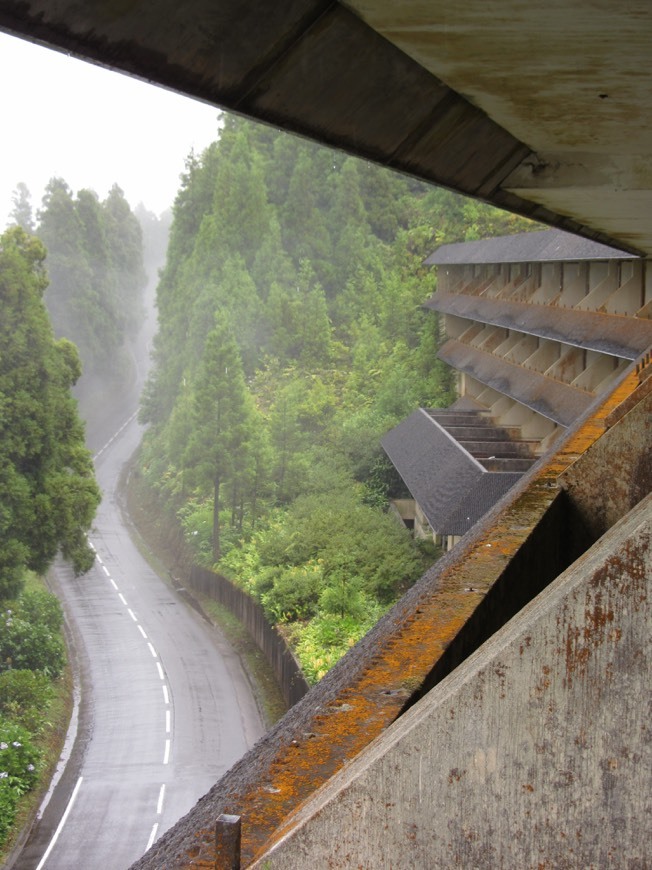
{"points": [[291, 338]]}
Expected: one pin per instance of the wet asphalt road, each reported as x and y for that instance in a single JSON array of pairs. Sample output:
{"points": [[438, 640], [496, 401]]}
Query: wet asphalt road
{"points": [[165, 706]]}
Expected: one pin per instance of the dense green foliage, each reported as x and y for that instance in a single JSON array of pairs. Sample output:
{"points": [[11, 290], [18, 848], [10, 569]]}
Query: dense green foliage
{"points": [[290, 340], [30, 635], [47, 485], [32, 657], [19, 760], [24, 696]]}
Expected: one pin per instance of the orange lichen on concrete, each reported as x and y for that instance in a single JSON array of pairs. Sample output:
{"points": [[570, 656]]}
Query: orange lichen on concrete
{"points": [[401, 662]]}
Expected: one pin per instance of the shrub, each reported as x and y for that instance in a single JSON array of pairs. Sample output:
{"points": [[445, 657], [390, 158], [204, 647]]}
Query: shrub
{"points": [[294, 591], [197, 523], [322, 642], [25, 645], [19, 758], [8, 801], [24, 695], [19, 761], [40, 608]]}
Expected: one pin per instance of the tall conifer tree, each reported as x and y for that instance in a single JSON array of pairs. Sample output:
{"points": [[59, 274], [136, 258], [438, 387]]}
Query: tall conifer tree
{"points": [[224, 420]]}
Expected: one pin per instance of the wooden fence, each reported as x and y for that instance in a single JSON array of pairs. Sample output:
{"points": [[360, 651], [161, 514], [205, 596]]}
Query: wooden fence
{"points": [[288, 674]]}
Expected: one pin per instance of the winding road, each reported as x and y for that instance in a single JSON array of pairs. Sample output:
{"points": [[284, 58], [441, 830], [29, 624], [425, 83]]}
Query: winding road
{"points": [[165, 706]]}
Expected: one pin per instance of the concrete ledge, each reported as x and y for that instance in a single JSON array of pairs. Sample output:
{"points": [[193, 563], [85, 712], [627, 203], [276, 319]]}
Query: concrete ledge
{"points": [[535, 752]]}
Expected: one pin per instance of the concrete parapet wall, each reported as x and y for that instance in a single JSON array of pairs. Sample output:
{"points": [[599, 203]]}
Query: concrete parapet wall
{"points": [[535, 752]]}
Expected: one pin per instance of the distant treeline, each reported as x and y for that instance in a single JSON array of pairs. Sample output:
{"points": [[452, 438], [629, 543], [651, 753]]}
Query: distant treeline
{"points": [[290, 339], [95, 268]]}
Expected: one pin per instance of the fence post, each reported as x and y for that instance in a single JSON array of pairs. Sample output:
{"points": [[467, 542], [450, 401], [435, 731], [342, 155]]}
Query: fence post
{"points": [[227, 842]]}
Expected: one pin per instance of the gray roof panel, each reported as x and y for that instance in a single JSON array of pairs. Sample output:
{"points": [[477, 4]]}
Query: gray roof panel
{"points": [[540, 246], [451, 487], [490, 488]]}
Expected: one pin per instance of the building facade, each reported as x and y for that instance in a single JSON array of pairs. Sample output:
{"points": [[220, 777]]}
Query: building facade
{"points": [[538, 326]]}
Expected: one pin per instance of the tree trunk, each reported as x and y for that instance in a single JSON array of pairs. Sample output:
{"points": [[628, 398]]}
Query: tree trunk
{"points": [[216, 520]]}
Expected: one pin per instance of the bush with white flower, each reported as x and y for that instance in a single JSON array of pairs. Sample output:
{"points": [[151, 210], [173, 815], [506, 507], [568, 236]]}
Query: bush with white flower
{"points": [[19, 762]]}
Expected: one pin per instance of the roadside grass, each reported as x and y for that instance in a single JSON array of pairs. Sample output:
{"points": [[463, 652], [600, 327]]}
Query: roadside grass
{"points": [[50, 743]]}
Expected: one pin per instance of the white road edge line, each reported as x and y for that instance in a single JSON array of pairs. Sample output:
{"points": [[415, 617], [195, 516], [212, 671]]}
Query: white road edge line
{"points": [[167, 721], [160, 670], [166, 754], [114, 436], [122, 598], [161, 796], [152, 650], [165, 695], [152, 837], [105, 569], [64, 818], [141, 630], [132, 615], [113, 583]]}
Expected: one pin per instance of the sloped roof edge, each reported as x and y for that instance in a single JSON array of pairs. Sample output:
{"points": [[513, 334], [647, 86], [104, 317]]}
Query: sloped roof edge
{"points": [[451, 486], [540, 246]]}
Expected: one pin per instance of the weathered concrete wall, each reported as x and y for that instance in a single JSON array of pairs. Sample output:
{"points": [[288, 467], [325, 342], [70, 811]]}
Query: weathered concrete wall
{"points": [[535, 752], [607, 481]]}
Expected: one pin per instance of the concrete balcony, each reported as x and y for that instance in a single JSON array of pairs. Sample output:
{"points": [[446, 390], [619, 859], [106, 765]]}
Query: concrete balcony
{"points": [[552, 399], [624, 337]]}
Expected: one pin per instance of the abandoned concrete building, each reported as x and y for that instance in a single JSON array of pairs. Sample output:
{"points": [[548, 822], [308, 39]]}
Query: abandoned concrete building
{"points": [[537, 325]]}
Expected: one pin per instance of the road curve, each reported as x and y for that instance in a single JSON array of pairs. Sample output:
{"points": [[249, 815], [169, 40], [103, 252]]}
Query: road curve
{"points": [[165, 705]]}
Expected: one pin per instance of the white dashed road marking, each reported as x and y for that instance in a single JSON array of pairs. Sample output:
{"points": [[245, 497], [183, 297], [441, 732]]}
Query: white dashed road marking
{"points": [[161, 796], [152, 837]]}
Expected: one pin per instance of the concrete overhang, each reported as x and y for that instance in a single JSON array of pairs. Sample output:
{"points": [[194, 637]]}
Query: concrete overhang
{"points": [[553, 399], [613, 334], [544, 109]]}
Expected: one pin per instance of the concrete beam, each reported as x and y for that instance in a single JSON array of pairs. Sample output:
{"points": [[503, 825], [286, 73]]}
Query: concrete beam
{"points": [[460, 95], [534, 752]]}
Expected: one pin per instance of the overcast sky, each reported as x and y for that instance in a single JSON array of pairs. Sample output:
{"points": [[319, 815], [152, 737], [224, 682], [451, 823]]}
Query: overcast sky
{"points": [[92, 127]]}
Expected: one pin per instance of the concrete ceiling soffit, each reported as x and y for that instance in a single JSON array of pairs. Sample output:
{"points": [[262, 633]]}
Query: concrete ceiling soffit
{"points": [[312, 68], [613, 191], [570, 78], [368, 87]]}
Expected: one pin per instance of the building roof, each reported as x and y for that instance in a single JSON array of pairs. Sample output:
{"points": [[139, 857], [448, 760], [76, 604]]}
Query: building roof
{"points": [[541, 246], [489, 489], [451, 486]]}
